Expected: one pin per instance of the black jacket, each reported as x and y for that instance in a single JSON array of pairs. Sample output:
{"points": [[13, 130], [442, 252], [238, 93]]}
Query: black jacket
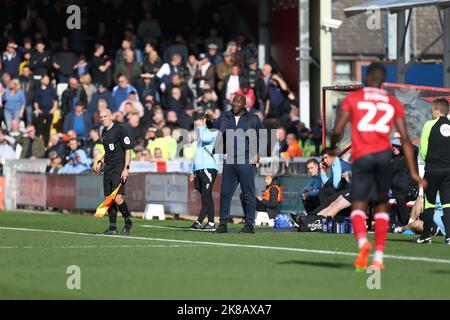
{"points": [[272, 205]]}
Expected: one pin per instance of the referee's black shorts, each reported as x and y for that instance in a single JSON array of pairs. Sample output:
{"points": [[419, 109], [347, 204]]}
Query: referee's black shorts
{"points": [[371, 177], [111, 179]]}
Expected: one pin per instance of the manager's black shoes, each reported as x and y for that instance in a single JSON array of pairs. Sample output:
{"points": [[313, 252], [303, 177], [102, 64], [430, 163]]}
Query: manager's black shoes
{"points": [[196, 226], [111, 232], [248, 228], [222, 228], [423, 240]]}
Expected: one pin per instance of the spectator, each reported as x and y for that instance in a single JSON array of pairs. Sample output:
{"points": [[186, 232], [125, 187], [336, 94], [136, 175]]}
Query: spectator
{"points": [[245, 50], [177, 48], [79, 121], [403, 188], [293, 150], [11, 60], [45, 105], [82, 66], [73, 95], [310, 192], [249, 94], [208, 100], [276, 102], [128, 67], [224, 69], [192, 65], [281, 145], [338, 167], [33, 147], [132, 105], [174, 102], [152, 63], [77, 163], [55, 145], [187, 96], [271, 201], [168, 70], [122, 90], [101, 94], [64, 62], [252, 72], [40, 61], [158, 121], [262, 86], [232, 84], [147, 86], [14, 103], [213, 56], [101, 66], [214, 39], [28, 86], [6, 150], [134, 129], [205, 74], [89, 88], [157, 155], [94, 139], [127, 46], [55, 163], [149, 29]]}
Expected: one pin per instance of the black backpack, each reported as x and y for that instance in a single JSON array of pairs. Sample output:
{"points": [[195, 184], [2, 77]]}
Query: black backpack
{"points": [[311, 223]]}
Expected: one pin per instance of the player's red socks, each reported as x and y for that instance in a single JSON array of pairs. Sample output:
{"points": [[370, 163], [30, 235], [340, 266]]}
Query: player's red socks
{"points": [[358, 219], [381, 229]]}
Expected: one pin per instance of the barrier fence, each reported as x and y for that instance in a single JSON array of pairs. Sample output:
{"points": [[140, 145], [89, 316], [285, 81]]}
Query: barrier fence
{"points": [[172, 190]]}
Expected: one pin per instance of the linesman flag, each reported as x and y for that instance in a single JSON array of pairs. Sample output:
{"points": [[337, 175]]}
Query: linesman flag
{"points": [[104, 206]]}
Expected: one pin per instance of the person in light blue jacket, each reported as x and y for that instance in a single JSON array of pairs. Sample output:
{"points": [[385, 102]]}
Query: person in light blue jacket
{"points": [[14, 103], [205, 170]]}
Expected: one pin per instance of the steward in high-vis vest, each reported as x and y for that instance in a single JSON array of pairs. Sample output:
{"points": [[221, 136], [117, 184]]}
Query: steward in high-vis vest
{"points": [[271, 201]]}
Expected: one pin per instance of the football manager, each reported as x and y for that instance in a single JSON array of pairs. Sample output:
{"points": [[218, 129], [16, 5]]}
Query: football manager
{"points": [[239, 130]]}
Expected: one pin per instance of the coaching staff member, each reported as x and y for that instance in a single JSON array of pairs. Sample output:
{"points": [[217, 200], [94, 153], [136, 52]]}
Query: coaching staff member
{"points": [[116, 163], [435, 150], [240, 161]]}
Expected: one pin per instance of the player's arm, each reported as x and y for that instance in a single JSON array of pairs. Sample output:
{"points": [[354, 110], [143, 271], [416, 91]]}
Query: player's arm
{"points": [[343, 118], [408, 150]]}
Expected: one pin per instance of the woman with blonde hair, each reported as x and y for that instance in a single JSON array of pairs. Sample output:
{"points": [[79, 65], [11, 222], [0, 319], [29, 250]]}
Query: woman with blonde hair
{"points": [[86, 82], [14, 103]]}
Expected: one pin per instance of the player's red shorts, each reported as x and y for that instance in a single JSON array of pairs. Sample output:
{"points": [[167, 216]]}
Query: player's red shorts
{"points": [[371, 177]]}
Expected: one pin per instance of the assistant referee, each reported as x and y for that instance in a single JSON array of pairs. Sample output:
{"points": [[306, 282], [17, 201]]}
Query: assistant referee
{"points": [[435, 150], [116, 163]]}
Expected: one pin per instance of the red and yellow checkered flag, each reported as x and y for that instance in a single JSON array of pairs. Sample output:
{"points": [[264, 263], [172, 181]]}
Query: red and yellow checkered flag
{"points": [[104, 206]]}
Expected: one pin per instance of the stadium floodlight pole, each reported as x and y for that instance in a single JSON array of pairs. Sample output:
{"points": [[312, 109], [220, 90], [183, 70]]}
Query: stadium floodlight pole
{"points": [[446, 32], [401, 34], [304, 61]]}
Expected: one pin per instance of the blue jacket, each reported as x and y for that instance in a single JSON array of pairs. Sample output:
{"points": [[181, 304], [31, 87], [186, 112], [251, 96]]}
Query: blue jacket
{"points": [[15, 102], [204, 157], [69, 123], [313, 187], [93, 105], [338, 167], [243, 154]]}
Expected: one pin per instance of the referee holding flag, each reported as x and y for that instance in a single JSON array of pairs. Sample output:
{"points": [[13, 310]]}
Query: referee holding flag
{"points": [[116, 164], [435, 150]]}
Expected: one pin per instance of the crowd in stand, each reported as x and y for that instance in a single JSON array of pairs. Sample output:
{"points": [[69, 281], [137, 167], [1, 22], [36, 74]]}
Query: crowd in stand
{"points": [[54, 82]]}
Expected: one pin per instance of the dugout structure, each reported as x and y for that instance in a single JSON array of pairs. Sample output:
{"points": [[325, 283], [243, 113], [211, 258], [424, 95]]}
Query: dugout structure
{"points": [[417, 102]]}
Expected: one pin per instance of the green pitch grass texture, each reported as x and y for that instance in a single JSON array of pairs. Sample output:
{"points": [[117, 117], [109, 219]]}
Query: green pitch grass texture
{"points": [[157, 265]]}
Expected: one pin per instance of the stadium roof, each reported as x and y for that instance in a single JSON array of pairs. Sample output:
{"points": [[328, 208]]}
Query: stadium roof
{"points": [[394, 5]]}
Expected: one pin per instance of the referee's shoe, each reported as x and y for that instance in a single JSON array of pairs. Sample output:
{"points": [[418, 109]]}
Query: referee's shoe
{"points": [[127, 229], [111, 232]]}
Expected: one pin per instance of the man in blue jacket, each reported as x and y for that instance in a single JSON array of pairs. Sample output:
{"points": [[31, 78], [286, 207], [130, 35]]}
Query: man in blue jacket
{"points": [[240, 132], [310, 192], [79, 121]]}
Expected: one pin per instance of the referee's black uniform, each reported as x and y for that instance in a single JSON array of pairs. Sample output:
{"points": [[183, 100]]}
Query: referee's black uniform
{"points": [[116, 142], [435, 150]]}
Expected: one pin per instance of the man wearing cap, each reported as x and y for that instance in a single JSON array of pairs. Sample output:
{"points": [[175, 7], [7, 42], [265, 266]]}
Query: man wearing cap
{"points": [[252, 72], [205, 74], [11, 60], [403, 188], [213, 56], [224, 69]]}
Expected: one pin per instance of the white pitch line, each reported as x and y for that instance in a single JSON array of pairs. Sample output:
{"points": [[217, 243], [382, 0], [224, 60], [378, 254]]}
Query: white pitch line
{"points": [[219, 244], [100, 246]]}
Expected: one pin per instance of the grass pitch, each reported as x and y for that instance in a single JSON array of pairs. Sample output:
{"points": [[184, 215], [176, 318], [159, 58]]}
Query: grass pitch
{"points": [[162, 260]]}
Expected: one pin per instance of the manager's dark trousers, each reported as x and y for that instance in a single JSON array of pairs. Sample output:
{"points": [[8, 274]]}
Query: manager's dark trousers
{"points": [[232, 175]]}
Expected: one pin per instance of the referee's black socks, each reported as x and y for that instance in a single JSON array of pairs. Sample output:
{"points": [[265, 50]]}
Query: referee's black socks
{"points": [[112, 215], [123, 208]]}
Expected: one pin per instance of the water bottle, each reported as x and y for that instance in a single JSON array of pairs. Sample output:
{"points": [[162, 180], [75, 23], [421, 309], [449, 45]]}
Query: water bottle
{"points": [[324, 225]]}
